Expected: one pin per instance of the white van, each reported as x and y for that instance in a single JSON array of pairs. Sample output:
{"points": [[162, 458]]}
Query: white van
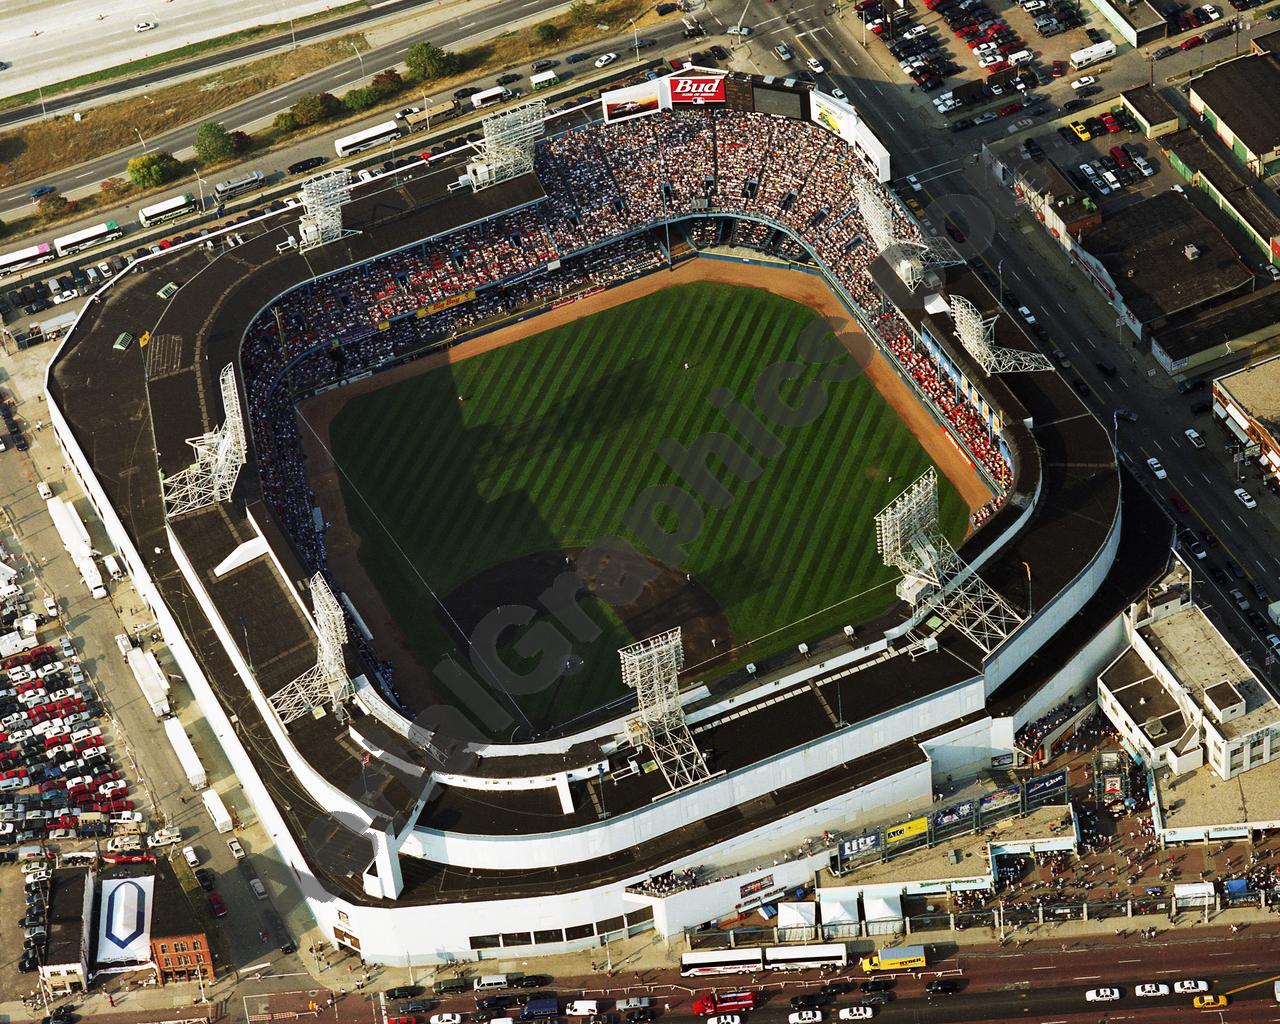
{"points": [[582, 1008], [489, 982], [113, 567], [44, 490], [1020, 57]]}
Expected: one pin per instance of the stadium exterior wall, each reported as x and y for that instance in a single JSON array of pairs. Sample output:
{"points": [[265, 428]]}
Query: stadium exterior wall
{"points": [[615, 834]]}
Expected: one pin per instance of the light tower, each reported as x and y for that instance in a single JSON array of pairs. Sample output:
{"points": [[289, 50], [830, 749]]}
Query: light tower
{"points": [[325, 682], [652, 668], [322, 199], [506, 151], [913, 259], [219, 455], [933, 575], [974, 332]]}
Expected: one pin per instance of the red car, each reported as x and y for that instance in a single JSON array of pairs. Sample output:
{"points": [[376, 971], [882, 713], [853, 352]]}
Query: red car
{"points": [[88, 743], [998, 66], [1179, 502], [1192, 43], [1112, 124], [1059, 68], [216, 906], [1009, 108]]}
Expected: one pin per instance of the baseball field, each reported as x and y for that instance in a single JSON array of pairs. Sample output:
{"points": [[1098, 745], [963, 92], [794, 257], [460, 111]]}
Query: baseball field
{"points": [[475, 485]]}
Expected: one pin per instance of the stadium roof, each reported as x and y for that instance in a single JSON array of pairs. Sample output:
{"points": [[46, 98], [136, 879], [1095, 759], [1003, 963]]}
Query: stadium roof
{"points": [[1143, 247], [115, 400]]}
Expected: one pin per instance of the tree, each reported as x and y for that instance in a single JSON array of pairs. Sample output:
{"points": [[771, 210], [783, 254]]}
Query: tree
{"points": [[242, 142], [547, 32], [427, 61], [582, 12], [315, 107], [359, 99], [54, 206], [213, 143], [285, 121], [114, 188], [153, 169], [386, 83]]}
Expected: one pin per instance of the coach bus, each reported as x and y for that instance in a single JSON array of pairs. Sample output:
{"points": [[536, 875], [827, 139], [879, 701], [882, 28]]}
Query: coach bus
{"points": [[225, 190], [86, 239], [722, 961], [489, 97], [169, 209], [31, 256], [423, 118], [367, 139], [544, 80], [805, 958]]}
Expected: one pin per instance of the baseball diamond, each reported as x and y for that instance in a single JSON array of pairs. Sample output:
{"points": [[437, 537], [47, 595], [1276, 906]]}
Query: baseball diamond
{"points": [[479, 481]]}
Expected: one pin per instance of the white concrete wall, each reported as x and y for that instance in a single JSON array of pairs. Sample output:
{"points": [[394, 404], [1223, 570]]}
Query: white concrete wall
{"points": [[634, 827]]}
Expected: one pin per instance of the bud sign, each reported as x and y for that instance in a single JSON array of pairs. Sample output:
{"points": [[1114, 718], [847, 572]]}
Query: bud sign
{"points": [[697, 89]]}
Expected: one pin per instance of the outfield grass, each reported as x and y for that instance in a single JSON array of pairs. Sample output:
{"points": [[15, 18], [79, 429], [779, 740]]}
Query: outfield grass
{"points": [[547, 443]]}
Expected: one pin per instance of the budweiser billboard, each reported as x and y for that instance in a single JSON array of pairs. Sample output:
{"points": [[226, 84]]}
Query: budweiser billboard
{"points": [[697, 89]]}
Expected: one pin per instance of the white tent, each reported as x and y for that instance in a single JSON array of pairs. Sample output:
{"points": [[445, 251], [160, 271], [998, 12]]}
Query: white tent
{"points": [[883, 914], [839, 907], [124, 920], [797, 915], [1193, 894]]}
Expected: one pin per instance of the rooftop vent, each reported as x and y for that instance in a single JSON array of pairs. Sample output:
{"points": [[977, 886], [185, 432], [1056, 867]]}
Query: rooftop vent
{"points": [[1191, 252], [1154, 728]]}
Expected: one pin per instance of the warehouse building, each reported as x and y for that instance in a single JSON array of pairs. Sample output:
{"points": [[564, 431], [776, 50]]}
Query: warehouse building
{"points": [[1156, 115], [1237, 99], [1223, 336], [1159, 259]]}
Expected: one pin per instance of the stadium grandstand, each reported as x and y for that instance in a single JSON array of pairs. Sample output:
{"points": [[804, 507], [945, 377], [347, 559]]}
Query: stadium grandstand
{"points": [[410, 848]]}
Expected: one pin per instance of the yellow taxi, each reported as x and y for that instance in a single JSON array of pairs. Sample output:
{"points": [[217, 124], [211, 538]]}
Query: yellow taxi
{"points": [[1209, 1002], [1082, 133]]}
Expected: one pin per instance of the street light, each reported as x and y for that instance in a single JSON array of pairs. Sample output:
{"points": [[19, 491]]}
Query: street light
{"points": [[635, 31], [200, 183], [141, 140], [360, 57]]}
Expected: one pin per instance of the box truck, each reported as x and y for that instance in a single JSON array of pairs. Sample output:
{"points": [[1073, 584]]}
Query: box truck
{"points": [[186, 753], [217, 811]]}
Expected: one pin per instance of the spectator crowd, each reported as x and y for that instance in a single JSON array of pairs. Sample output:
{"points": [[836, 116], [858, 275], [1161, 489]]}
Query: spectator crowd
{"points": [[612, 191]]}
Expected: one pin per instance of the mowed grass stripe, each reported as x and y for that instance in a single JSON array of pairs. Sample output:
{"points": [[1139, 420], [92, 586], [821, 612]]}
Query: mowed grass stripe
{"points": [[557, 436]]}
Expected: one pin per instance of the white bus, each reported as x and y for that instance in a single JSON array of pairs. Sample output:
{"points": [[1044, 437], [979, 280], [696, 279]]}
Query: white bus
{"points": [[544, 80], [89, 237], [169, 209], [367, 139], [1092, 54], [805, 958], [489, 97], [743, 960], [225, 190], [33, 255]]}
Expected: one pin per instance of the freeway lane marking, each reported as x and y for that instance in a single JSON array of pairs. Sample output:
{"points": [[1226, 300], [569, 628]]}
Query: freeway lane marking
{"points": [[1042, 968], [1088, 977], [1128, 961], [1253, 984]]}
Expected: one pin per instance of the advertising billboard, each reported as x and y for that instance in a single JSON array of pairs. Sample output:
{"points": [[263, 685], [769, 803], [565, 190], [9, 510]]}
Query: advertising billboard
{"points": [[753, 888], [696, 88], [950, 815], [633, 101], [907, 830], [1046, 783], [841, 119], [1010, 796]]}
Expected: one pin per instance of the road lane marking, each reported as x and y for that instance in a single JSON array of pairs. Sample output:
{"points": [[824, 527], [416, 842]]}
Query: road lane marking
{"points": [[1129, 961], [1042, 968], [1088, 977], [1252, 984]]}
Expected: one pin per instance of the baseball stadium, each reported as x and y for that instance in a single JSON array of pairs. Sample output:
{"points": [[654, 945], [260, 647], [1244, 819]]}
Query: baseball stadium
{"points": [[640, 493]]}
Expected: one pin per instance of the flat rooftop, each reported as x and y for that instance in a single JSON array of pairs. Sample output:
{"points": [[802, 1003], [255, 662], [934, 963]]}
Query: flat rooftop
{"points": [[1239, 317], [1202, 798], [1257, 389], [1242, 94], [1150, 105], [66, 915], [1143, 245], [1201, 660], [933, 864], [1145, 699], [1209, 158]]}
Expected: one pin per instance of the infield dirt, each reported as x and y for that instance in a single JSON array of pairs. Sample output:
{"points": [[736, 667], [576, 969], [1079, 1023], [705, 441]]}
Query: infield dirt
{"points": [[414, 680]]}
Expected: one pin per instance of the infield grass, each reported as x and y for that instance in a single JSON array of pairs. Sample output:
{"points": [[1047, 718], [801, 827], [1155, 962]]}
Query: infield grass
{"points": [[546, 443]]}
